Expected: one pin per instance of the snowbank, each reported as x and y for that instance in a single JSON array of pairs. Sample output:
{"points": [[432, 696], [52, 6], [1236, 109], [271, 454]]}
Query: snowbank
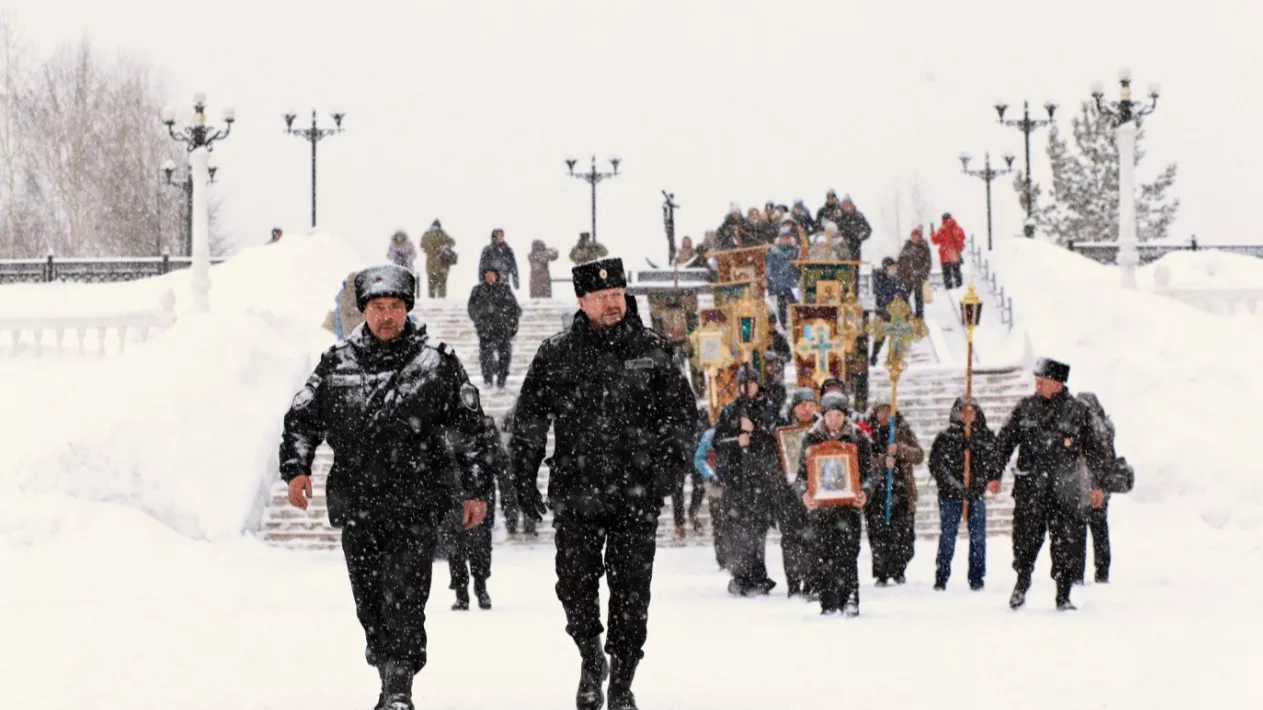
{"points": [[184, 428], [1183, 387], [1205, 269]]}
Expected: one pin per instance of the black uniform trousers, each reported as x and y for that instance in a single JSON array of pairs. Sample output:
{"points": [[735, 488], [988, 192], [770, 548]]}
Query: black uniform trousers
{"points": [[834, 536], [791, 520], [1034, 514], [746, 539], [470, 552], [719, 530], [390, 565], [893, 543], [1098, 524], [620, 546], [495, 354], [695, 498]]}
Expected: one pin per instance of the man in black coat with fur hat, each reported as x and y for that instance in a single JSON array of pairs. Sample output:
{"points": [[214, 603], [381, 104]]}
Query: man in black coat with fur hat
{"points": [[625, 420], [1053, 434], [400, 415]]}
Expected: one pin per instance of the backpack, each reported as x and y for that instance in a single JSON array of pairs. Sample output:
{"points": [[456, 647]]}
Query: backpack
{"points": [[447, 255]]}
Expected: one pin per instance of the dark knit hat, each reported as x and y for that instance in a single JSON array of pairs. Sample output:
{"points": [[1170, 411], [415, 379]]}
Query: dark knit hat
{"points": [[748, 373], [835, 400], [800, 395], [598, 275], [386, 281], [833, 382], [1049, 369]]}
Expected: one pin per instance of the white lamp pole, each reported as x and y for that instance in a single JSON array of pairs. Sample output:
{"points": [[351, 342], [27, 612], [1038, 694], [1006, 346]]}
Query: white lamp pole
{"points": [[1123, 114], [200, 141]]}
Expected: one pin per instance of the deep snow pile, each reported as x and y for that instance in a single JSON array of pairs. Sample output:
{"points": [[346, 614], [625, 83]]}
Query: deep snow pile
{"points": [[1183, 387], [186, 426]]}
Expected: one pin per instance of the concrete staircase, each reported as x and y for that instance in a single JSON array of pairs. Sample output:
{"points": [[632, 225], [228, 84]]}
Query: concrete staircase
{"points": [[926, 393]]}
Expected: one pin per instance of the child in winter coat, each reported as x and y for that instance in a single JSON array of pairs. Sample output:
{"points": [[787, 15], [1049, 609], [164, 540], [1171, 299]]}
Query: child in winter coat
{"points": [[835, 530], [947, 466]]}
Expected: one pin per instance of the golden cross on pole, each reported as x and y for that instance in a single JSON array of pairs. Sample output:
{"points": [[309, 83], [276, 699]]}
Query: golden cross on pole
{"points": [[899, 331]]}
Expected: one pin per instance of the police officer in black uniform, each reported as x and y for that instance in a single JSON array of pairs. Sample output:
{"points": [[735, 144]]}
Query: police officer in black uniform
{"points": [[624, 419], [1054, 487], [399, 413]]}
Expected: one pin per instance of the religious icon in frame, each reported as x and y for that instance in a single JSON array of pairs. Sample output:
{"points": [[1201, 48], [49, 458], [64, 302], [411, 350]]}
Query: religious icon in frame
{"points": [[833, 473], [789, 441], [675, 325]]}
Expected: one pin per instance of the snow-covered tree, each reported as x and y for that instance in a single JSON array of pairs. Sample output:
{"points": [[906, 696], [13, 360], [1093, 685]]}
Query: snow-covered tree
{"points": [[1083, 204]]}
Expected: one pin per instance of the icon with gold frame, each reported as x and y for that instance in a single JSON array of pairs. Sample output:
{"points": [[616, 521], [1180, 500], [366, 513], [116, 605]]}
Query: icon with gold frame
{"points": [[833, 474], [789, 442]]}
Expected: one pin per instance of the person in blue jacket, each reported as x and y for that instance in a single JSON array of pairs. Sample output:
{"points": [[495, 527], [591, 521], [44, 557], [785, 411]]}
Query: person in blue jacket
{"points": [[702, 462]]}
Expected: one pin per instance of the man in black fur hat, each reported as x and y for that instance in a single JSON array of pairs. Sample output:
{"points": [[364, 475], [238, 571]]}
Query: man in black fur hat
{"points": [[624, 419], [399, 412], [1052, 433]]}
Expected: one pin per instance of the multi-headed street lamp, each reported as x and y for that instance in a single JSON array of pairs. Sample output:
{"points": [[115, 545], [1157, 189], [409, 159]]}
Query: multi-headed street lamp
{"points": [[1027, 126], [1124, 114], [186, 185], [313, 135], [592, 177], [988, 174], [200, 140]]}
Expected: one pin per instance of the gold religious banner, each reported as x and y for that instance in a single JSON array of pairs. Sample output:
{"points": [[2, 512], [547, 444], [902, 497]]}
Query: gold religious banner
{"points": [[728, 293], [827, 282], [673, 314], [747, 264], [721, 389], [818, 343], [748, 329]]}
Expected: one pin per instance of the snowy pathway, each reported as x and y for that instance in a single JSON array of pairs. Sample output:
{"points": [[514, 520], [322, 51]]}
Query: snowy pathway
{"points": [[151, 620]]}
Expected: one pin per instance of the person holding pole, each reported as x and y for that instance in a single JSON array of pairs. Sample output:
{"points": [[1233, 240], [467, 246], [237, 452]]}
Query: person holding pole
{"points": [[967, 437]]}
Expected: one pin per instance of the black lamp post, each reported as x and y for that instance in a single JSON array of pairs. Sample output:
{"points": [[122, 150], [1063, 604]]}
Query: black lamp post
{"points": [[186, 184], [592, 177], [668, 221], [199, 135], [988, 174], [313, 135], [1027, 125]]}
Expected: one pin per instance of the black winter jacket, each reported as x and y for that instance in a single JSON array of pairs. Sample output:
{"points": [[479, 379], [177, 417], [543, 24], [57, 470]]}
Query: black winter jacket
{"points": [[624, 418], [400, 416], [1053, 436], [750, 475], [947, 459], [494, 310]]}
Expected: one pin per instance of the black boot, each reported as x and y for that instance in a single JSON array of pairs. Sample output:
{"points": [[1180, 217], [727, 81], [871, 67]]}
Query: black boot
{"points": [[593, 670], [1063, 597], [622, 671], [462, 599], [397, 687], [480, 590], [1018, 598]]}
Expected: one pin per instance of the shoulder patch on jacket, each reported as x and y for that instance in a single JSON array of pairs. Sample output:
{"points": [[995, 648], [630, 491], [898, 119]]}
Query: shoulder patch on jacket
{"points": [[469, 397]]}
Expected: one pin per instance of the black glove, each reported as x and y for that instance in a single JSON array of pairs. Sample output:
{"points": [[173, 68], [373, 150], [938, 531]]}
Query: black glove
{"points": [[532, 505]]}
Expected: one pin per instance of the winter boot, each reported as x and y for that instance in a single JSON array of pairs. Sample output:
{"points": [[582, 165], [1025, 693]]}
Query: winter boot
{"points": [[1018, 598], [680, 531], [528, 528], [622, 671], [697, 524], [593, 670], [1063, 597], [1102, 576], [480, 590], [462, 599], [852, 606], [397, 687]]}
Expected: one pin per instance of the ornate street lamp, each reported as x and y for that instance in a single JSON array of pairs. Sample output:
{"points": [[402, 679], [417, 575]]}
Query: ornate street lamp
{"points": [[200, 139], [1124, 114], [988, 174], [186, 185], [970, 317], [592, 177], [313, 135], [1026, 125]]}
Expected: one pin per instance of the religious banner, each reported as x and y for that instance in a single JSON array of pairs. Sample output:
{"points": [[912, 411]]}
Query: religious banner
{"points": [[748, 264], [674, 314], [825, 282], [727, 293], [819, 346], [748, 329]]}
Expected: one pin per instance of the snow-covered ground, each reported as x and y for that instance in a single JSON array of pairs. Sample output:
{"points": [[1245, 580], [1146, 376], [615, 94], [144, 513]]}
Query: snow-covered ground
{"points": [[126, 484]]}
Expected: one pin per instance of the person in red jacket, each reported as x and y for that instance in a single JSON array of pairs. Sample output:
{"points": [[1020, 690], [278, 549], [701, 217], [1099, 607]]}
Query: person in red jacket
{"points": [[950, 239]]}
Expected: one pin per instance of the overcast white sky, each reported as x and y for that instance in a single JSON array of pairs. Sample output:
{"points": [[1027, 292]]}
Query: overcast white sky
{"points": [[465, 110]]}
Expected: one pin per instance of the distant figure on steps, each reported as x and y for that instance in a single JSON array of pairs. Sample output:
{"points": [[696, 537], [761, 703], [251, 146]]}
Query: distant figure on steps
{"points": [[587, 250], [541, 279], [440, 257], [499, 255], [495, 313]]}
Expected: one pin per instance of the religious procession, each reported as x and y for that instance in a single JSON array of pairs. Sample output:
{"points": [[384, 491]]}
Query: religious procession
{"points": [[756, 377]]}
